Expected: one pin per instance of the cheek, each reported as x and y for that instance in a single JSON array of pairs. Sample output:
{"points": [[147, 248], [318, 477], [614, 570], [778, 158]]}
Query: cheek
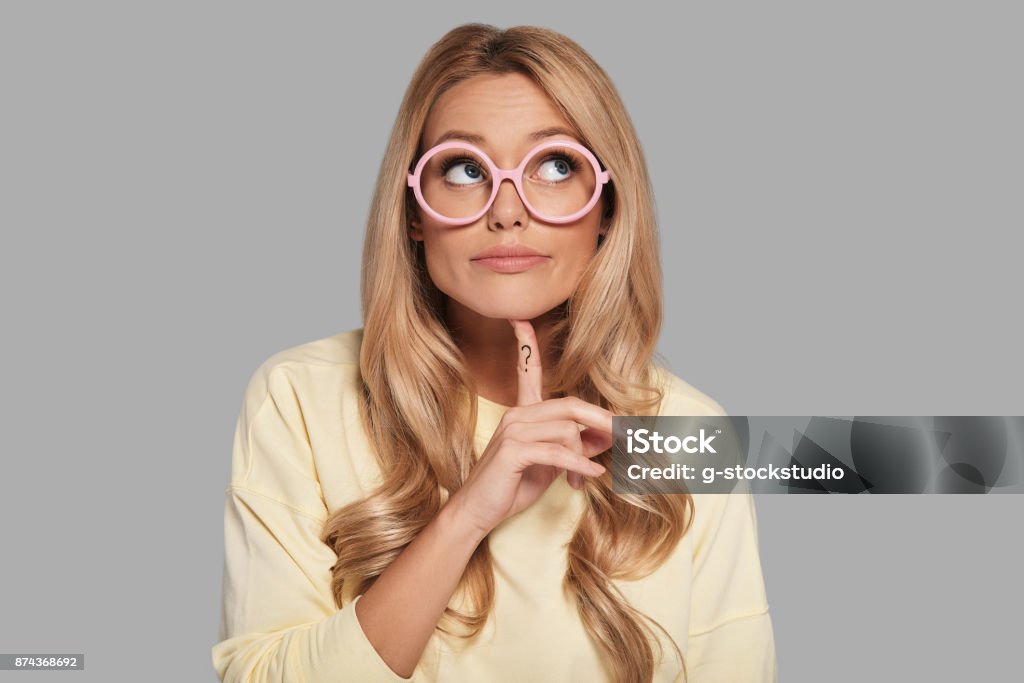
{"points": [[574, 265], [443, 256], [581, 247]]}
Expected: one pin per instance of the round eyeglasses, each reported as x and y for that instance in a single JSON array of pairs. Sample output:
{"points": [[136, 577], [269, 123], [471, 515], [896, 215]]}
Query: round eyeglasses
{"points": [[559, 182]]}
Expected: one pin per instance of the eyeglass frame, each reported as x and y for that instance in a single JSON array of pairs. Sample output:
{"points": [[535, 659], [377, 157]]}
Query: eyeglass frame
{"points": [[500, 175]]}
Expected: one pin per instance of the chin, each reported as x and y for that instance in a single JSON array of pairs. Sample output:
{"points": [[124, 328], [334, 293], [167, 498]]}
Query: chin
{"points": [[511, 312]]}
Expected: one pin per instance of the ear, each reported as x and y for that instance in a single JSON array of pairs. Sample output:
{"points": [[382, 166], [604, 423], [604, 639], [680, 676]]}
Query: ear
{"points": [[415, 230], [607, 211]]}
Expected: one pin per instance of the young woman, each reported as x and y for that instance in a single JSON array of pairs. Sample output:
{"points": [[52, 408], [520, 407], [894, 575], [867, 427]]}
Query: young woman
{"points": [[426, 498]]}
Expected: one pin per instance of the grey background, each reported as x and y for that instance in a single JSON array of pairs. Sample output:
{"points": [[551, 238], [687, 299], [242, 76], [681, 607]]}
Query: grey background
{"points": [[183, 190]]}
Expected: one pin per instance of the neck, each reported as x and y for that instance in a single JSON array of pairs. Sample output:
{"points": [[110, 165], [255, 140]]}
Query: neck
{"points": [[490, 349]]}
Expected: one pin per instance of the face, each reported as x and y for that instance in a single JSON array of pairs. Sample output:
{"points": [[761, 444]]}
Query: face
{"points": [[504, 113]]}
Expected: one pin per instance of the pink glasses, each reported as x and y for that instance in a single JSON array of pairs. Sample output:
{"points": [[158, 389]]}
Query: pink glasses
{"points": [[559, 182]]}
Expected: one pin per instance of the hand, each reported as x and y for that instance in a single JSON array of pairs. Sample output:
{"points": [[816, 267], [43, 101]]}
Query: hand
{"points": [[535, 441]]}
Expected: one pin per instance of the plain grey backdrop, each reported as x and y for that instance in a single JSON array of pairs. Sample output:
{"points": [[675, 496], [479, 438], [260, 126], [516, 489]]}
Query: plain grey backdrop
{"points": [[183, 191]]}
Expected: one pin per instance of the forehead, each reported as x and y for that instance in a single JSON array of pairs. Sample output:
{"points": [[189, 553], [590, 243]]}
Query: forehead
{"points": [[504, 109]]}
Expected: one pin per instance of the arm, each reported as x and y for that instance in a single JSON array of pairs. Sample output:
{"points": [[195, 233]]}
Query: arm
{"points": [[730, 636], [279, 622], [401, 609]]}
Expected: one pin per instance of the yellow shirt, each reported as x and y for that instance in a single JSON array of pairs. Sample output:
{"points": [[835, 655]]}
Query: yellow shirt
{"points": [[300, 451]]}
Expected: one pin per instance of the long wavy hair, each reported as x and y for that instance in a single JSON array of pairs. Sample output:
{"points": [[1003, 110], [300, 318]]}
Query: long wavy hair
{"points": [[417, 395]]}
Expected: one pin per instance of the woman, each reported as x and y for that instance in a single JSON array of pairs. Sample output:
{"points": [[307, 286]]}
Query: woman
{"points": [[424, 498]]}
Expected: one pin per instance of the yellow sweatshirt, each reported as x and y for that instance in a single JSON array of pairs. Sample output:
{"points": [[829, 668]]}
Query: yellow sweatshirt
{"points": [[300, 452]]}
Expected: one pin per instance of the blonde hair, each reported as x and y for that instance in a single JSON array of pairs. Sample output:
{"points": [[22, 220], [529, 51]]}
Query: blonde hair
{"points": [[418, 399]]}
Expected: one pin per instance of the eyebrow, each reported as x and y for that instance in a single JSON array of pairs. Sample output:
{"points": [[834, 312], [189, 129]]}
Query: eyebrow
{"points": [[481, 140]]}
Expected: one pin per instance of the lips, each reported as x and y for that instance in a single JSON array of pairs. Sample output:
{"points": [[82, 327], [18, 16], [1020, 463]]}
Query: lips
{"points": [[509, 258], [506, 251]]}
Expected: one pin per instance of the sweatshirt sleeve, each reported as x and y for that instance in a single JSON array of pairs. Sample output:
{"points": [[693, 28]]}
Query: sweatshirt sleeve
{"points": [[731, 636], [278, 619]]}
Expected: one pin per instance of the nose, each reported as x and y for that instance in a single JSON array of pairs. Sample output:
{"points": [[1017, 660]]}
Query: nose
{"points": [[508, 209]]}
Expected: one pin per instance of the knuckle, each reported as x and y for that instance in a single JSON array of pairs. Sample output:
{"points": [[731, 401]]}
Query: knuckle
{"points": [[512, 430], [569, 431], [574, 403]]}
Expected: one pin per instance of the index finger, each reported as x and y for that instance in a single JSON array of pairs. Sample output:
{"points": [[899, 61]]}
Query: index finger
{"points": [[528, 367]]}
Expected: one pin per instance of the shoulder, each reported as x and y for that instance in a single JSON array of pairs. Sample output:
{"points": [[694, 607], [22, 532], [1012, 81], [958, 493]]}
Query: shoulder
{"points": [[341, 349], [293, 366], [293, 401], [682, 398], [303, 380]]}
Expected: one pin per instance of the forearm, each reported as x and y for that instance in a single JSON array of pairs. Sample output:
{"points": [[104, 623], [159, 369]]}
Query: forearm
{"points": [[399, 612]]}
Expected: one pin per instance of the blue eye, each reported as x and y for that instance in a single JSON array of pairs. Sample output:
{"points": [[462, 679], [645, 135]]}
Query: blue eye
{"points": [[462, 172], [556, 169]]}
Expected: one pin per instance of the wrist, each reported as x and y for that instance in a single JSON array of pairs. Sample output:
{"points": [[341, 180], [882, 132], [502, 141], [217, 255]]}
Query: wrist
{"points": [[455, 524]]}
